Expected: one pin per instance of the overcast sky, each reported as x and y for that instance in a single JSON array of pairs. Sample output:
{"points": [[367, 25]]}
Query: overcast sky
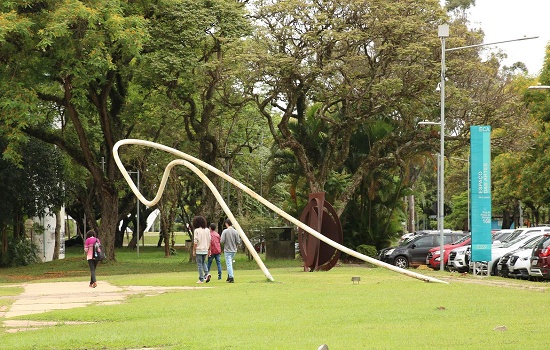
{"points": [[512, 19]]}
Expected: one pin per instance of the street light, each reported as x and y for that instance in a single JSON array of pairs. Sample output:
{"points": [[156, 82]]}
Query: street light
{"points": [[440, 159], [443, 33]]}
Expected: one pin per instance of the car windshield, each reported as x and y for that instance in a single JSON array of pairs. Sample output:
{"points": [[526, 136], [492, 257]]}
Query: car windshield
{"points": [[513, 236], [406, 241], [501, 236], [409, 239], [530, 244], [512, 242], [461, 240]]}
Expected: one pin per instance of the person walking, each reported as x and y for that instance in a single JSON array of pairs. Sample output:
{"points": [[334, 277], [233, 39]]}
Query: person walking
{"points": [[215, 250], [230, 240], [201, 247], [89, 249]]}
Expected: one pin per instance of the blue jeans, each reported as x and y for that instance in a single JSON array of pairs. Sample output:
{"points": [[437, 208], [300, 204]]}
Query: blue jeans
{"points": [[201, 264], [218, 262], [229, 263]]}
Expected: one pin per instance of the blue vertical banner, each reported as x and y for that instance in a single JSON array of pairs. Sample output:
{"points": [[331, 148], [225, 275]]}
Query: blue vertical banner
{"points": [[480, 189]]}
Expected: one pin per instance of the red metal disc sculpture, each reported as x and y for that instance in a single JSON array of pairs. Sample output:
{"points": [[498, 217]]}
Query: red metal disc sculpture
{"points": [[320, 216]]}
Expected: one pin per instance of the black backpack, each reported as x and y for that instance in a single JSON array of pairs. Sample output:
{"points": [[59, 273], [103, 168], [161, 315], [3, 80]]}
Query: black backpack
{"points": [[98, 254]]}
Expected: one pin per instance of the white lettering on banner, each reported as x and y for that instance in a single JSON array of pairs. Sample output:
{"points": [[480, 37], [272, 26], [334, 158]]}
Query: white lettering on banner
{"points": [[480, 182], [485, 178], [484, 129], [481, 246], [486, 217]]}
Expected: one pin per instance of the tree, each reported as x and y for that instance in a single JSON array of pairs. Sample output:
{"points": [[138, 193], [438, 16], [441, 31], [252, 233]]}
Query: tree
{"points": [[355, 59], [329, 75], [32, 187], [191, 61], [66, 67], [523, 172]]}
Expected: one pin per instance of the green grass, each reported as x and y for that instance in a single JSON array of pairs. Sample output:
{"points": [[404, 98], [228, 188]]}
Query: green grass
{"points": [[152, 238], [299, 310]]}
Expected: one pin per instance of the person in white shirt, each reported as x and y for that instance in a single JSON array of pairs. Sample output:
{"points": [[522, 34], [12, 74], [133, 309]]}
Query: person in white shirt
{"points": [[201, 247]]}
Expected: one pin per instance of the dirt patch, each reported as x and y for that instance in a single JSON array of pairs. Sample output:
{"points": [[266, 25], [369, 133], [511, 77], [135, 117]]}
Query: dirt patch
{"points": [[467, 278]]}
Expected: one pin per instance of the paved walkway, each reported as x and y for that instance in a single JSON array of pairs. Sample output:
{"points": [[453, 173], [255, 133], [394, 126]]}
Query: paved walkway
{"points": [[43, 297]]}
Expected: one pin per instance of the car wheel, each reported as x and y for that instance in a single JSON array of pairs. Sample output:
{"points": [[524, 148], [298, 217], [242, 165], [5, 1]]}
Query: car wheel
{"points": [[495, 269], [401, 262]]}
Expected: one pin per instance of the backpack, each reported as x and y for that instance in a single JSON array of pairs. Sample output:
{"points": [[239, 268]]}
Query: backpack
{"points": [[98, 254]]}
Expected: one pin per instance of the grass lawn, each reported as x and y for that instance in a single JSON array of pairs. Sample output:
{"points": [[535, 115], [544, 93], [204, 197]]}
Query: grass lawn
{"points": [[299, 310]]}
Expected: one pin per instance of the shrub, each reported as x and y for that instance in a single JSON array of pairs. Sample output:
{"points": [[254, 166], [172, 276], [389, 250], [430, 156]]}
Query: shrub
{"points": [[368, 250], [20, 252]]}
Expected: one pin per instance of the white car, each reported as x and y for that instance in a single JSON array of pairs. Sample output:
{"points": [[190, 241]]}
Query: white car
{"points": [[520, 264], [517, 263], [498, 252], [459, 260]]}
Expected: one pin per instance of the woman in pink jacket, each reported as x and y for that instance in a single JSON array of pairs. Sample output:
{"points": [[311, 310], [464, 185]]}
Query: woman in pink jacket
{"points": [[89, 249]]}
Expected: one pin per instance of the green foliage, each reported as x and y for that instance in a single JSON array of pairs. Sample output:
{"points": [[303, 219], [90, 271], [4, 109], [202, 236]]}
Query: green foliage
{"points": [[368, 250], [255, 225], [20, 252], [459, 4], [456, 220], [341, 99], [33, 185]]}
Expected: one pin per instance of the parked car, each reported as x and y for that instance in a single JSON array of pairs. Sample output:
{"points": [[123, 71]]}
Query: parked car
{"points": [[459, 259], [498, 252], [540, 258], [75, 241], [414, 251], [517, 263], [434, 256]]}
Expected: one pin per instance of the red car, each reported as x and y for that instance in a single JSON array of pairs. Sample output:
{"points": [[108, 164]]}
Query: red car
{"points": [[540, 258], [433, 257]]}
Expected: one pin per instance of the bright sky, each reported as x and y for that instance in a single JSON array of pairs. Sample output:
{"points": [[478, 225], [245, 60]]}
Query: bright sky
{"points": [[503, 20]]}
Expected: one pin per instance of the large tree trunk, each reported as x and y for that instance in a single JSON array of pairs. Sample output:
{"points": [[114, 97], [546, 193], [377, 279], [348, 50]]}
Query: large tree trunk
{"points": [[4, 239], [166, 226], [109, 222], [506, 220]]}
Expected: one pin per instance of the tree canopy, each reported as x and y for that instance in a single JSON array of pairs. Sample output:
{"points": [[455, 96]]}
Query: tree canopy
{"points": [[334, 89]]}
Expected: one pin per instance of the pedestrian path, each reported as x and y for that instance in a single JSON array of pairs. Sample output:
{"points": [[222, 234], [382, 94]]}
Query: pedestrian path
{"points": [[43, 297]]}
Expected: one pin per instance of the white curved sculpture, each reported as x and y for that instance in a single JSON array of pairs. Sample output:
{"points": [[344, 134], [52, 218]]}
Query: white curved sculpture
{"points": [[185, 161]]}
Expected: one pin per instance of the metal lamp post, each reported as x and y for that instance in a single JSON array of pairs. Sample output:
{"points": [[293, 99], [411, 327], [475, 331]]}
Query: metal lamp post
{"points": [[443, 33]]}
